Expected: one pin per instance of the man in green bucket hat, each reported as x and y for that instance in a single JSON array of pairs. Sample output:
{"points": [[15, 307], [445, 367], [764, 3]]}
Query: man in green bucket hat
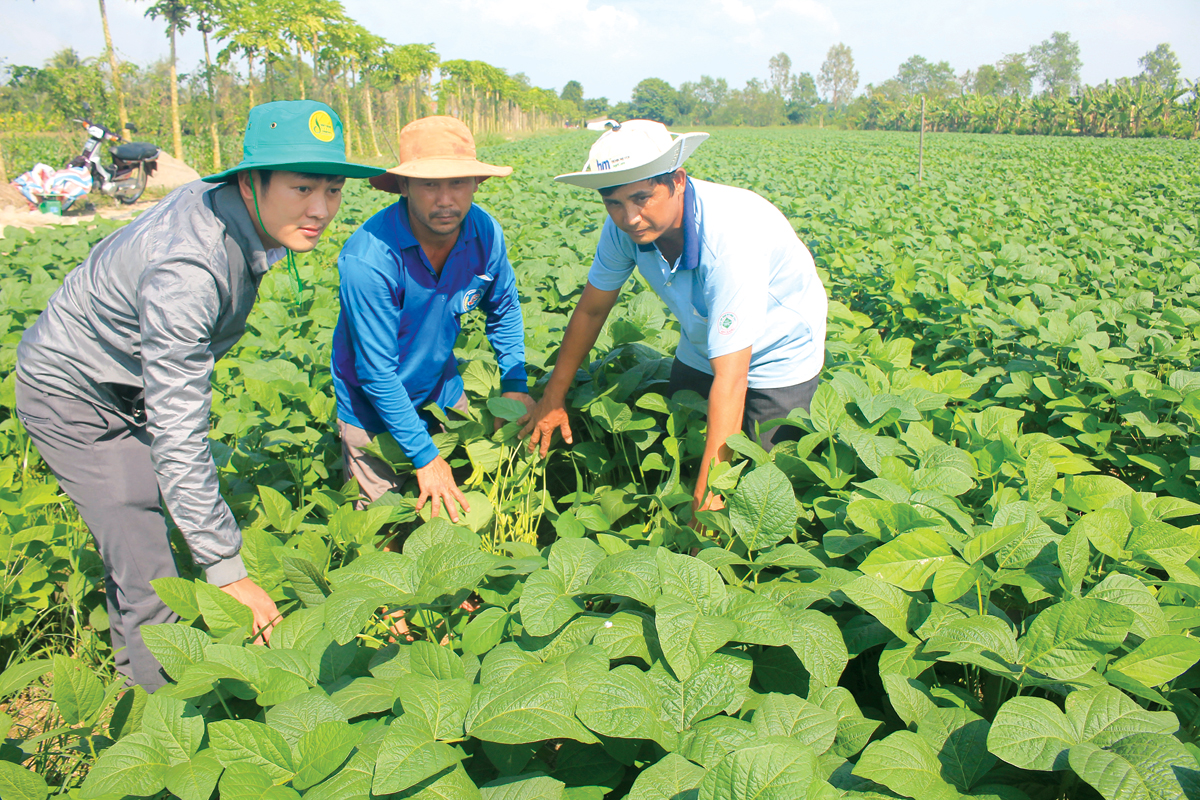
{"points": [[113, 378]]}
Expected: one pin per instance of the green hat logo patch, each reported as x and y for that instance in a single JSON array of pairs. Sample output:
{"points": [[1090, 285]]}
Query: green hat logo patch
{"points": [[321, 126]]}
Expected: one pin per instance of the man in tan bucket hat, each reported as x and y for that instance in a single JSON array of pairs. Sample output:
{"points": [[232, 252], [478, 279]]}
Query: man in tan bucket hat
{"points": [[408, 276]]}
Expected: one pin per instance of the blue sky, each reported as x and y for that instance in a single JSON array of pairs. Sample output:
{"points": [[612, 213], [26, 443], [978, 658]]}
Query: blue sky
{"points": [[609, 45]]}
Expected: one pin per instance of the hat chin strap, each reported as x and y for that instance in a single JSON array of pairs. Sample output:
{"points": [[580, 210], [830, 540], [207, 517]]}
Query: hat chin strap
{"points": [[291, 257]]}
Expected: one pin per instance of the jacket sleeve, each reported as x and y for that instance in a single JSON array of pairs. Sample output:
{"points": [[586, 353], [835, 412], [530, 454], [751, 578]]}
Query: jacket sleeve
{"points": [[178, 307], [505, 326], [372, 316]]}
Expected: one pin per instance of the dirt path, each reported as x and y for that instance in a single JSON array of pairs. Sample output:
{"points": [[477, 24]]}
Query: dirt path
{"points": [[15, 213]]}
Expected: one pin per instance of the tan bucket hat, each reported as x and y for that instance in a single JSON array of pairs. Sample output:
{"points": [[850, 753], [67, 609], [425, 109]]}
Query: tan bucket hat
{"points": [[436, 147]]}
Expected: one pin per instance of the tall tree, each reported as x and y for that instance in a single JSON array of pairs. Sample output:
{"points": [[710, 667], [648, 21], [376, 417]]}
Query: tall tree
{"points": [[780, 67], [1016, 75], [919, 76], [1057, 63], [207, 14], [175, 12], [837, 77], [572, 92], [654, 98], [122, 115], [250, 27], [1160, 67], [987, 80]]}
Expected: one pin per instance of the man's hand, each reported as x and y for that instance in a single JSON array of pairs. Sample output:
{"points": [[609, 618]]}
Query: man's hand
{"points": [[524, 398], [266, 615], [543, 420], [437, 486]]}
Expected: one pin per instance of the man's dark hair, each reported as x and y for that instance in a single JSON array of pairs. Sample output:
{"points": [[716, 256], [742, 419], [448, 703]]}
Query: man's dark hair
{"points": [[264, 176], [666, 179]]}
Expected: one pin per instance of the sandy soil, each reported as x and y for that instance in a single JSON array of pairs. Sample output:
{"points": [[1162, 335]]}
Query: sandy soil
{"points": [[171, 173]]}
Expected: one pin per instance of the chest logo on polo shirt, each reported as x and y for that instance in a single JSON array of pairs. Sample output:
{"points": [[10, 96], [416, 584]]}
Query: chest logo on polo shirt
{"points": [[727, 324], [471, 299]]}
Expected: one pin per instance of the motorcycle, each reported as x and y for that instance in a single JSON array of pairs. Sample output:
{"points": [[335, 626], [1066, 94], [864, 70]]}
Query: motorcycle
{"points": [[132, 162]]}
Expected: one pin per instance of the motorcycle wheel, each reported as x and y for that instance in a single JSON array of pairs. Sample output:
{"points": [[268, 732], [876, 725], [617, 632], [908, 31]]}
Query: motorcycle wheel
{"points": [[130, 195]]}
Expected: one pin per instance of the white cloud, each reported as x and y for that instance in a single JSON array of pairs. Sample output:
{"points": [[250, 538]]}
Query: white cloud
{"points": [[568, 18], [810, 10], [739, 12]]}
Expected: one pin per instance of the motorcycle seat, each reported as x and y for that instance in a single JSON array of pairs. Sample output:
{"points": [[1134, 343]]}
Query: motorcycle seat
{"points": [[134, 151]]}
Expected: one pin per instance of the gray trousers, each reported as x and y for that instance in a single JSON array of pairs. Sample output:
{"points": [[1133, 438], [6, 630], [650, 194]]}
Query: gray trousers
{"points": [[762, 405], [102, 462]]}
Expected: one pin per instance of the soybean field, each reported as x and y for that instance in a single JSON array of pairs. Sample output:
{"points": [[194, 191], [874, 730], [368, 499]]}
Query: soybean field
{"points": [[974, 576]]}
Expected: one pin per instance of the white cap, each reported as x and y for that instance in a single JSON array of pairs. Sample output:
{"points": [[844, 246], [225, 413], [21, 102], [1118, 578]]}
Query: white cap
{"points": [[633, 151]]}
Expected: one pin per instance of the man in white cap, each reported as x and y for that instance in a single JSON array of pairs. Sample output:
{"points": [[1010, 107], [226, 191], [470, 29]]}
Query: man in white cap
{"points": [[408, 277], [730, 268]]}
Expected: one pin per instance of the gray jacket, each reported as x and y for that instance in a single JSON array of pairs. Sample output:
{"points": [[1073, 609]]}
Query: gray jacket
{"points": [[151, 309]]}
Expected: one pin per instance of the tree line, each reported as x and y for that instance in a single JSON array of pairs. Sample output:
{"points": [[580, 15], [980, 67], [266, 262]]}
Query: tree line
{"points": [[261, 50], [1036, 91]]}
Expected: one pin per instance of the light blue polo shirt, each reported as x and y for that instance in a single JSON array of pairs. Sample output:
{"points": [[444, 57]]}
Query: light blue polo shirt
{"points": [[744, 280]]}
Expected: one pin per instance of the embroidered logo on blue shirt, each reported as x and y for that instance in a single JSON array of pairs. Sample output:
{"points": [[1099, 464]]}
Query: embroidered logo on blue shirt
{"points": [[727, 324], [471, 299]]}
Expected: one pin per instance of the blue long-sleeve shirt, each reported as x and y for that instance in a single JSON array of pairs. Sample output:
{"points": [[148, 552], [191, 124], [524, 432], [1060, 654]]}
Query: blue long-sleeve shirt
{"points": [[393, 348]]}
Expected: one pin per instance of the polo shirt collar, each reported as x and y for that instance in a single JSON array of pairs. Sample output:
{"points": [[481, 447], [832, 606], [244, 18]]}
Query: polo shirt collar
{"points": [[691, 232]]}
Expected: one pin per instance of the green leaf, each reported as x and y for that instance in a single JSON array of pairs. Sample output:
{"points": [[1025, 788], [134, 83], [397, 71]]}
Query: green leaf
{"points": [[905, 763], [1104, 715], [627, 634], [523, 787], [632, 573], [180, 596], [719, 685], [485, 630], [779, 770], [351, 781], [686, 636], [18, 783], [77, 692], [910, 560], [667, 779], [1066, 639], [622, 704], [391, 576], [959, 737], [1144, 766], [301, 714], [246, 741], [1160, 659], [763, 508], [436, 706], [409, 756], [16, 678], [909, 697], [546, 603], [788, 715], [175, 725], [222, 614], [1107, 529], [506, 408], [1032, 733], [818, 643], [244, 781], [888, 604], [1074, 558], [306, 580], [321, 751], [1092, 492], [1127, 591], [194, 779], [133, 766], [827, 410], [535, 705], [854, 730], [692, 580]]}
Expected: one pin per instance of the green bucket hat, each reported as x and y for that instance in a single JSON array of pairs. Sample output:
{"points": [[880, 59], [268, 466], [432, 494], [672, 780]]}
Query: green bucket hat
{"points": [[298, 136]]}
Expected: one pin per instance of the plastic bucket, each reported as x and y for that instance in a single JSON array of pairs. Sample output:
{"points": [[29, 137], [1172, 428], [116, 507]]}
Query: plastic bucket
{"points": [[51, 205]]}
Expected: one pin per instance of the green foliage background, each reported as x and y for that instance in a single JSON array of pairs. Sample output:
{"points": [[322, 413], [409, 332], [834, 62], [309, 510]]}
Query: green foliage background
{"points": [[974, 576]]}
